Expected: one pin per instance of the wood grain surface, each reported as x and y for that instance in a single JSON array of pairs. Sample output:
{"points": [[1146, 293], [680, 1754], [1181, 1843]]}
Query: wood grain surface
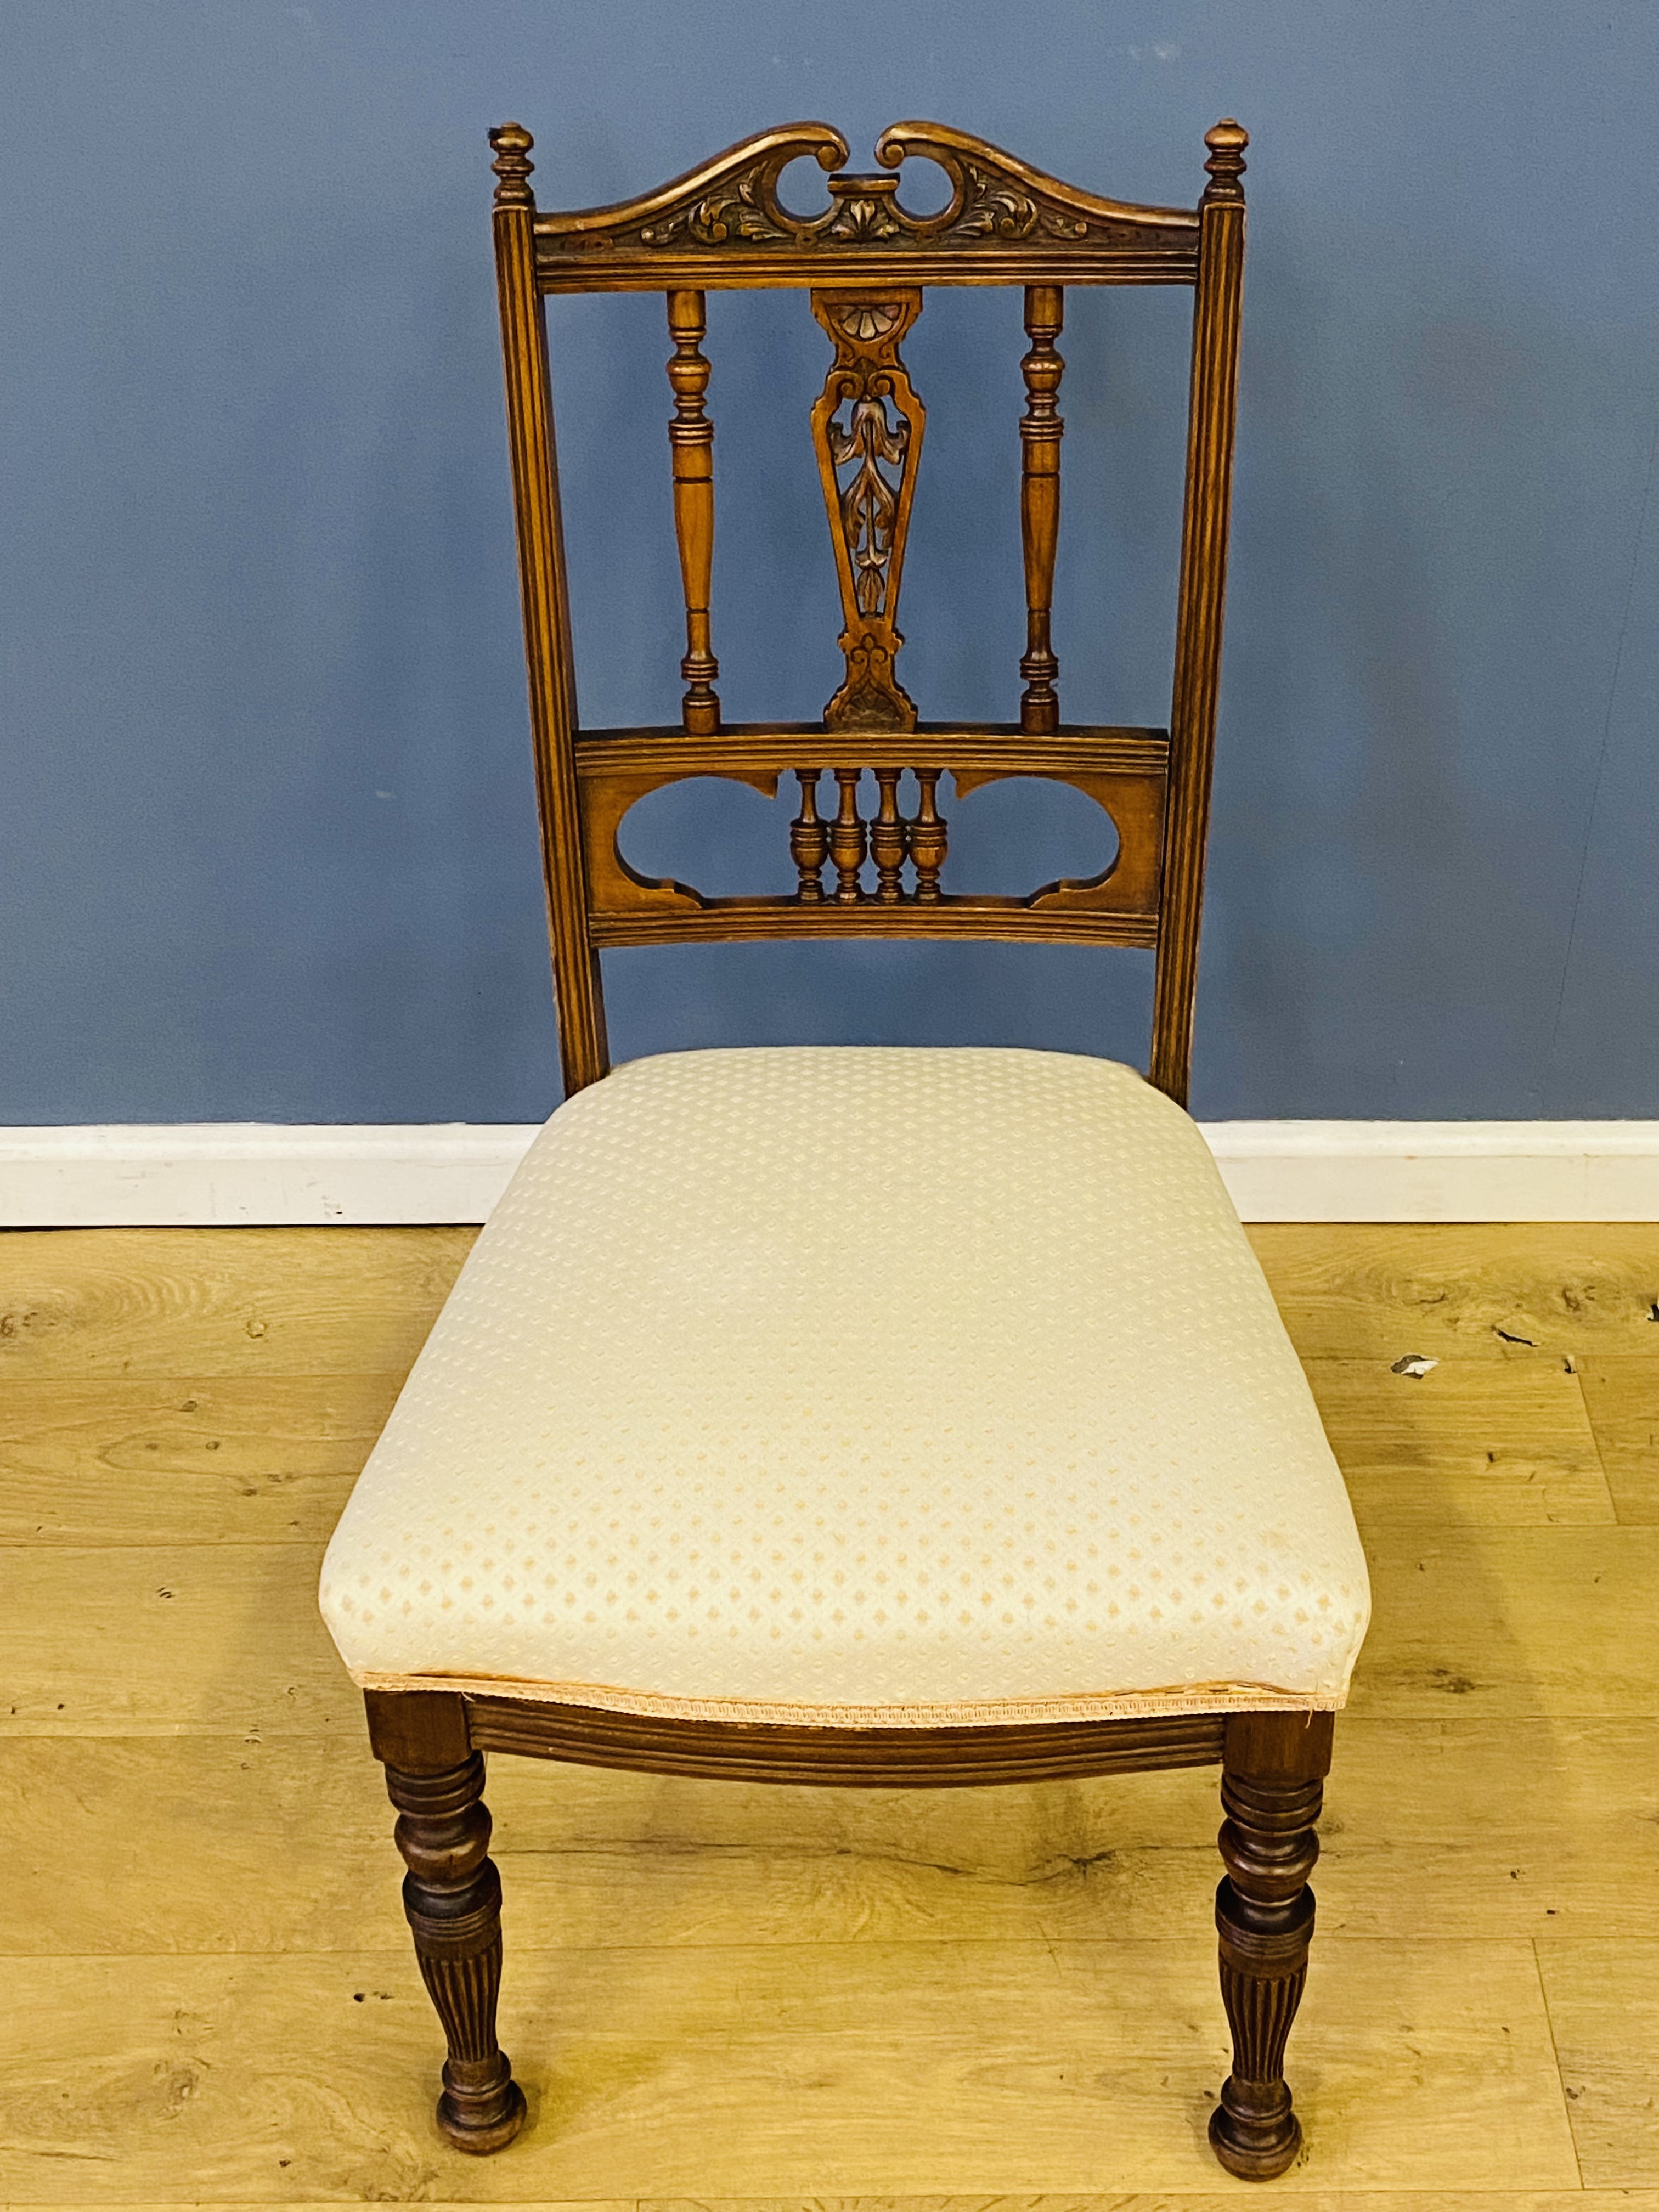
{"points": [[1603, 2001], [1500, 1442], [1622, 1393], [772, 2069]]}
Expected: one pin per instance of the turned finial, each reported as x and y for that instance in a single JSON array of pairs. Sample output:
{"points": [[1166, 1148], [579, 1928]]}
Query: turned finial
{"points": [[1225, 166], [511, 164]]}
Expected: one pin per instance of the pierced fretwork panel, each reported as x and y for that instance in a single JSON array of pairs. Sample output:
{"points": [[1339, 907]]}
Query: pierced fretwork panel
{"points": [[867, 425], [875, 868]]}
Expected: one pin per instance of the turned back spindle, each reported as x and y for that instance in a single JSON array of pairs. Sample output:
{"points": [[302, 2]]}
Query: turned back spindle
{"points": [[692, 439], [866, 261]]}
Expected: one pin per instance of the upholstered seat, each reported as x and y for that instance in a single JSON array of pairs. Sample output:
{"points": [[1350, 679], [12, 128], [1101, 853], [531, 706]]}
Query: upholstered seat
{"points": [[859, 1386]]}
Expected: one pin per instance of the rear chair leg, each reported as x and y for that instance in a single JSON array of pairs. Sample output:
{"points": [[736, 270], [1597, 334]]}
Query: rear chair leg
{"points": [[1272, 1787], [453, 1896]]}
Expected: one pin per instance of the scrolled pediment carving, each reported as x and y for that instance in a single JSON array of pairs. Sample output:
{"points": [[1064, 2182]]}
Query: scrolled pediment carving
{"points": [[733, 207]]}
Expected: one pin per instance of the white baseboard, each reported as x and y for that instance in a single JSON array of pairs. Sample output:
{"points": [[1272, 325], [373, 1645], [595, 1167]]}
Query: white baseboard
{"points": [[1440, 1170], [224, 1174], [220, 1173]]}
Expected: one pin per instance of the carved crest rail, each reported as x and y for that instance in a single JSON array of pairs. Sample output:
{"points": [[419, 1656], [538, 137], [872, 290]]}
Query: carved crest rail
{"points": [[724, 223]]}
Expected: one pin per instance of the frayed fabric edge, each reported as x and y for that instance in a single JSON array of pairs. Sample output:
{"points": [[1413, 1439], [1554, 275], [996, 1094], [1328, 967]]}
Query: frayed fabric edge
{"points": [[1136, 1705]]}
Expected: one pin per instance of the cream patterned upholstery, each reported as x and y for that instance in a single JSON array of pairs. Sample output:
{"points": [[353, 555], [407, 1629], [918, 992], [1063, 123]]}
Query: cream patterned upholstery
{"points": [[859, 1386]]}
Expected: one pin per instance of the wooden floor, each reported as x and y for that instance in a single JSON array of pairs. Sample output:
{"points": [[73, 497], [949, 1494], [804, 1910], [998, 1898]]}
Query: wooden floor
{"points": [[738, 1996]]}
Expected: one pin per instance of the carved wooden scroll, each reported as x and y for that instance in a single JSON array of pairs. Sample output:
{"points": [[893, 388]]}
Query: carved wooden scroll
{"points": [[691, 439], [726, 223], [1041, 430], [866, 427]]}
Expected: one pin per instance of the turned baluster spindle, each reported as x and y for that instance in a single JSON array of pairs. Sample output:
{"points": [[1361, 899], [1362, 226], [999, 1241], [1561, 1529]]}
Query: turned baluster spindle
{"points": [[691, 441], [887, 839], [927, 837], [1040, 430], [809, 839], [848, 839]]}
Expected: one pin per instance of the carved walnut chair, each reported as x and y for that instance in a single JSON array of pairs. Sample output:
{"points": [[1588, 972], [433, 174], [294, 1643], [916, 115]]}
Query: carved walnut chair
{"points": [[861, 1416]]}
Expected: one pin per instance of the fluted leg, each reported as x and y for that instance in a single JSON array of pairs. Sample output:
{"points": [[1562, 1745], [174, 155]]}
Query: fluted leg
{"points": [[453, 1896], [1271, 1790]]}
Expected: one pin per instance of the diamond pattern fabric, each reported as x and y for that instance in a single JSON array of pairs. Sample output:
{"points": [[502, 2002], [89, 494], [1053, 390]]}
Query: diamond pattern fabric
{"points": [[860, 1386]]}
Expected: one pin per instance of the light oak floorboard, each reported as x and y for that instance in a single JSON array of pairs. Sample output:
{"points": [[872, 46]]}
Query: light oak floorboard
{"points": [[1162, 2200], [161, 1302], [1356, 1290], [745, 2072], [1604, 2010], [135, 1639], [1621, 1391], [220, 1460], [266, 1459], [1513, 1623], [1497, 1442], [171, 1301], [1465, 1827], [1165, 2200], [1555, 1623], [1508, 1829]]}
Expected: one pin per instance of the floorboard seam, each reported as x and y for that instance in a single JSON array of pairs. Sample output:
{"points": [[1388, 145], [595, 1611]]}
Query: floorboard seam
{"points": [[1555, 2053]]}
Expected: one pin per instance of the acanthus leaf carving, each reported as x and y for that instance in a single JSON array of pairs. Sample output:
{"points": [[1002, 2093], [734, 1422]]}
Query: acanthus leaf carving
{"points": [[992, 207], [738, 212], [865, 209]]}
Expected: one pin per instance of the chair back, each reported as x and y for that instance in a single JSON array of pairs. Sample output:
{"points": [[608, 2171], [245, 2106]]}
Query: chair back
{"points": [[864, 262]]}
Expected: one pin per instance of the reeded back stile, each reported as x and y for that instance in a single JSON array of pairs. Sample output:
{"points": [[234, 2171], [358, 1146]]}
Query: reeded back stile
{"points": [[865, 261]]}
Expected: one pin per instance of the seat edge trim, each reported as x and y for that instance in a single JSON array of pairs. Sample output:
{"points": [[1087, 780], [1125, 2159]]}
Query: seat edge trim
{"points": [[1195, 1699]]}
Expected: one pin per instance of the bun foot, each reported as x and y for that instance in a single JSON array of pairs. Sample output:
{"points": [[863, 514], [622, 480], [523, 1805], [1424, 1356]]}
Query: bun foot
{"points": [[480, 2120], [1256, 2136]]}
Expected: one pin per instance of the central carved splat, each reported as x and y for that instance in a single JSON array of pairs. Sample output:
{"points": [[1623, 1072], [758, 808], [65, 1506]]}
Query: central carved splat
{"points": [[866, 425]]}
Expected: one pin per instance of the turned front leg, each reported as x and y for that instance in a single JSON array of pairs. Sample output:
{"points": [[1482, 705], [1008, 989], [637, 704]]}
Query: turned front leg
{"points": [[453, 1896], [1271, 1789]]}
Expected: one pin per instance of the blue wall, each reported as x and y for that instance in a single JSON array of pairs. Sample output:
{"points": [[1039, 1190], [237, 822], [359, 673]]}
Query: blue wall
{"points": [[266, 841]]}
